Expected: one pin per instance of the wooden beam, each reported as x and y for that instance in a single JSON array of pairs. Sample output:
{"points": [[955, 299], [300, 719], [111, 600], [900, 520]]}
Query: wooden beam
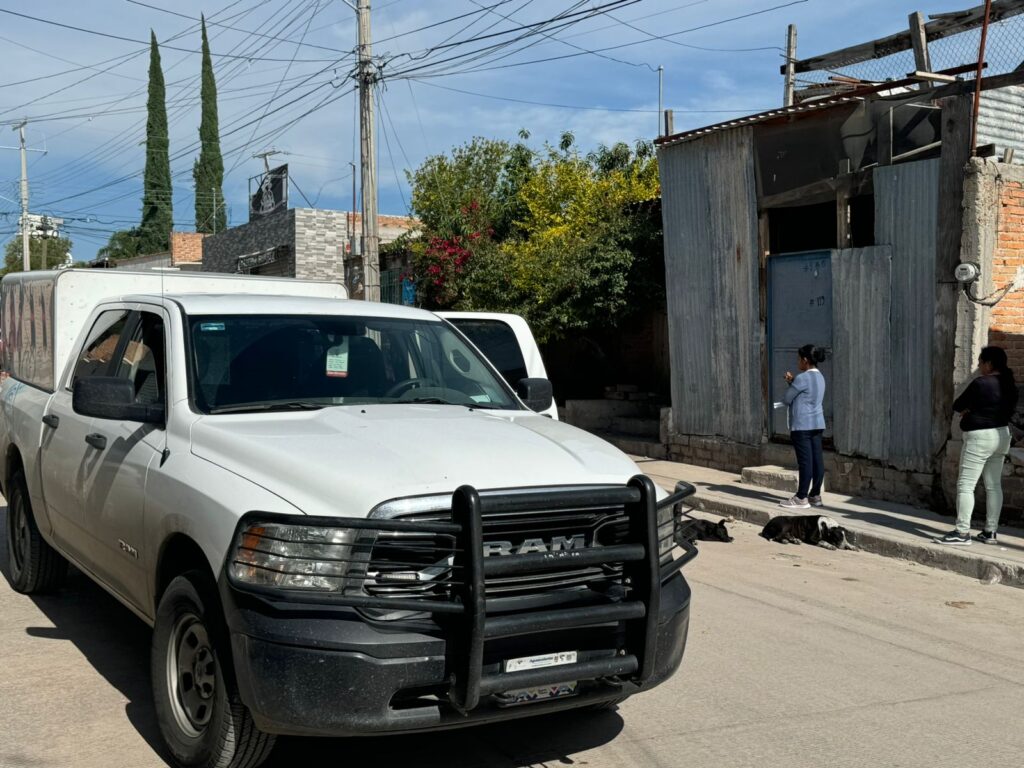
{"points": [[956, 151], [919, 39], [940, 27], [823, 191], [926, 76]]}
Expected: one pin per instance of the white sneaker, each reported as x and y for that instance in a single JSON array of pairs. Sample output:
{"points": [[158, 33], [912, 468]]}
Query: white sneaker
{"points": [[795, 503]]}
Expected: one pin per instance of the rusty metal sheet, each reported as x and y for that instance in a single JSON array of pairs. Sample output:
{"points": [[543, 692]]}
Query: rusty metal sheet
{"points": [[906, 219], [709, 212]]}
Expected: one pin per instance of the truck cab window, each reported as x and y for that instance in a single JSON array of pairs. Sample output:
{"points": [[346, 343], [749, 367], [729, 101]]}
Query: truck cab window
{"points": [[142, 361], [498, 342], [101, 345]]}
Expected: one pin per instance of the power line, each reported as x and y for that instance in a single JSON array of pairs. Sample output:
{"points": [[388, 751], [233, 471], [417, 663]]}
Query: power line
{"points": [[611, 47], [141, 42], [575, 106], [237, 29]]}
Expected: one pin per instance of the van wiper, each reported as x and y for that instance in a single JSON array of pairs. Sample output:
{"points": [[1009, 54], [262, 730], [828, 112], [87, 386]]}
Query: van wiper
{"points": [[428, 400], [294, 405]]}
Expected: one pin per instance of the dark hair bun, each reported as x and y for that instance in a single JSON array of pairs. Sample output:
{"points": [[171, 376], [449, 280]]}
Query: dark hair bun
{"points": [[818, 354]]}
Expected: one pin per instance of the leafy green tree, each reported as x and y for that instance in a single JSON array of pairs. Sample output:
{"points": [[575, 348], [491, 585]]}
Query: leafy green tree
{"points": [[208, 171], [157, 214], [123, 244], [50, 251], [568, 241], [485, 172]]}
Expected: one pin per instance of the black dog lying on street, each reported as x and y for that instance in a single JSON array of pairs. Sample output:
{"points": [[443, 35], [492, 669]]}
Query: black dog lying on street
{"points": [[813, 529], [704, 530]]}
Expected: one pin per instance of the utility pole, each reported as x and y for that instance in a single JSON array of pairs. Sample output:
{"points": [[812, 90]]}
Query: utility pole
{"points": [[661, 91], [368, 157], [790, 65], [26, 264]]}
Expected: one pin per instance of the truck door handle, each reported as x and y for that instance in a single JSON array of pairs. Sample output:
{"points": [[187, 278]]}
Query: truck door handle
{"points": [[96, 440], [51, 421]]}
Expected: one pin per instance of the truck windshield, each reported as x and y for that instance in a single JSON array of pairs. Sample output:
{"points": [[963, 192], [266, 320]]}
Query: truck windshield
{"points": [[274, 362]]}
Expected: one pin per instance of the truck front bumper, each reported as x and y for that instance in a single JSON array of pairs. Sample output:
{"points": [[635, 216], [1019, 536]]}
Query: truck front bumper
{"points": [[328, 671]]}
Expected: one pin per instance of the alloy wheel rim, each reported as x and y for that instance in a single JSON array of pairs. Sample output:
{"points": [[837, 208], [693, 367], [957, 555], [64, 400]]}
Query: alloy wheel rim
{"points": [[191, 675]]}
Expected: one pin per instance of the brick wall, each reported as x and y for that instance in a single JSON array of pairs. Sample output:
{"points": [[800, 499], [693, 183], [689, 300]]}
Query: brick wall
{"points": [[319, 244], [186, 247], [1007, 318]]}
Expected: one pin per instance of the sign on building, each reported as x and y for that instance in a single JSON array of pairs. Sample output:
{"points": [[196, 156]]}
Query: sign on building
{"points": [[271, 193]]}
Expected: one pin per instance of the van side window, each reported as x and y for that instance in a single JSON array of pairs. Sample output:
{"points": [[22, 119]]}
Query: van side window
{"points": [[101, 345], [142, 361], [498, 342]]}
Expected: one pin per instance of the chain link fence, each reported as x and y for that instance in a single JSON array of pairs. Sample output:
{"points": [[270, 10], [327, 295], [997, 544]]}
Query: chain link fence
{"points": [[1004, 52]]}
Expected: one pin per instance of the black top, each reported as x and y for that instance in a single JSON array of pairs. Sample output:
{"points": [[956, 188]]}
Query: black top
{"points": [[985, 405]]}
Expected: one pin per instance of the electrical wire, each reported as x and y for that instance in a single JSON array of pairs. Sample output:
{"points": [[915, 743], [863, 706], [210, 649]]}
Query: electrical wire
{"points": [[141, 42]]}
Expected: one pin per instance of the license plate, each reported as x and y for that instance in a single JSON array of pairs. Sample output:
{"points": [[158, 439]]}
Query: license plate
{"points": [[539, 692], [524, 663]]}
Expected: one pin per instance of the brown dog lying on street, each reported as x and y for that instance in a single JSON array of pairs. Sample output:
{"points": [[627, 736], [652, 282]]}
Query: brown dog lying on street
{"points": [[812, 529]]}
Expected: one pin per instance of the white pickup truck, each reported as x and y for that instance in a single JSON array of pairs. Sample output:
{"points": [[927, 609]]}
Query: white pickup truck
{"points": [[337, 516]]}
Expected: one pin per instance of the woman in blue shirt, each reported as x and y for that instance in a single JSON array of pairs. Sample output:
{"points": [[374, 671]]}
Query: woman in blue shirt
{"points": [[806, 426]]}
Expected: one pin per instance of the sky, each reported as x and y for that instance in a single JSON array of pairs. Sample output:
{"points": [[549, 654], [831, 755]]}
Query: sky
{"points": [[284, 82]]}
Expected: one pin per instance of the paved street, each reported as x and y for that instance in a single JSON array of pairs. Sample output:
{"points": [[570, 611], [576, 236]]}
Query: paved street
{"points": [[798, 657]]}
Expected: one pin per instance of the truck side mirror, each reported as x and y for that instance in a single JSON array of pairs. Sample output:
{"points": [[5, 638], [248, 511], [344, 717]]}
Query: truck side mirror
{"points": [[535, 393], [110, 397]]}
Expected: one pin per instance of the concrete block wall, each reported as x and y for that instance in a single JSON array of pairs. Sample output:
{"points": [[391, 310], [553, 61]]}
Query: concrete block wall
{"points": [[319, 244]]}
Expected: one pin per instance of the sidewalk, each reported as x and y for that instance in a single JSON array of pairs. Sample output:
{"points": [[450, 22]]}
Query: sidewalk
{"points": [[891, 530]]}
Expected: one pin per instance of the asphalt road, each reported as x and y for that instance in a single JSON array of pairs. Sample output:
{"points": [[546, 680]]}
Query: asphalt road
{"points": [[797, 657]]}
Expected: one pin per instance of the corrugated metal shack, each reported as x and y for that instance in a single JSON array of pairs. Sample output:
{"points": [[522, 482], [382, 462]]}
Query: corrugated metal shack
{"points": [[835, 222]]}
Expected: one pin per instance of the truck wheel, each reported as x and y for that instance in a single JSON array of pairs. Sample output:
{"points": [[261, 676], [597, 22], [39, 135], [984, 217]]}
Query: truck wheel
{"points": [[201, 716], [36, 567]]}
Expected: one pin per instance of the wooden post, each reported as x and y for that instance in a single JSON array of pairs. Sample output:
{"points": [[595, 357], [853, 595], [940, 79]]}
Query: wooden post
{"points": [[919, 40], [669, 123], [956, 130], [787, 100]]}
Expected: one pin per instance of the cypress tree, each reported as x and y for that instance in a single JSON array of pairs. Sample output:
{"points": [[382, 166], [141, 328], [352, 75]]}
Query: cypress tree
{"points": [[208, 171], [157, 216]]}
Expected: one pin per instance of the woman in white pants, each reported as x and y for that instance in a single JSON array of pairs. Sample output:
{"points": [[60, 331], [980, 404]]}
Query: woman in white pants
{"points": [[986, 407]]}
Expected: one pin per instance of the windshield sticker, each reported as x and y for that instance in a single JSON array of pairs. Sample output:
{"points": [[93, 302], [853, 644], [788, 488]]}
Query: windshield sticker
{"points": [[211, 326], [337, 360], [480, 398]]}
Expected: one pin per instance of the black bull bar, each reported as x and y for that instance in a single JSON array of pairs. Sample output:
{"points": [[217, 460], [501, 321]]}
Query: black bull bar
{"points": [[464, 616]]}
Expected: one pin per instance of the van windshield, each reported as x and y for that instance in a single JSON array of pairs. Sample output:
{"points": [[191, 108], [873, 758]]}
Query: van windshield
{"points": [[278, 362]]}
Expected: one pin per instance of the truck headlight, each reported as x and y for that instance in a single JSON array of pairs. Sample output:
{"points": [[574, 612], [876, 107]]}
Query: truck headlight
{"points": [[309, 557]]}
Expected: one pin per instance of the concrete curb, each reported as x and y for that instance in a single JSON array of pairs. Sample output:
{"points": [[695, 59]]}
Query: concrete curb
{"points": [[965, 561]]}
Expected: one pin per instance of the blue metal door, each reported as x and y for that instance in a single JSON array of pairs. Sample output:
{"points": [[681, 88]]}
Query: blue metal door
{"points": [[799, 312]]}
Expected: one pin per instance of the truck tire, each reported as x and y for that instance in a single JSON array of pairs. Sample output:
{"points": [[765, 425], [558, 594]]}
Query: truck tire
{"points": [[201, 716], [35, 566]]}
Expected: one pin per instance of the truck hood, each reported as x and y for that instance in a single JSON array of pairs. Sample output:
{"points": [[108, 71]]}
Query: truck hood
{"points": [[343, 461]]}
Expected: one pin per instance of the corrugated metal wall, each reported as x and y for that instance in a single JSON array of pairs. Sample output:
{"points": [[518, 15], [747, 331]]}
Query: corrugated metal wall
{"points": [[860, 385], [709, 210], [906, 208], [1000, 117]]}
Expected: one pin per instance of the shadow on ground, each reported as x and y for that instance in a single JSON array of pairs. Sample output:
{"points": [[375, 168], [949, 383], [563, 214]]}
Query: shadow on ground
{"points": [[116, 643]]}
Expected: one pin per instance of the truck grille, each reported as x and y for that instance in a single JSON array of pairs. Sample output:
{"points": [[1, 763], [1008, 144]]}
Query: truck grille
{"points": [[408, 565]]}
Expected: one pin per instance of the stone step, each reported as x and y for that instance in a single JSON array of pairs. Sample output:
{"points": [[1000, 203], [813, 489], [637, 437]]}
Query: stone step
{"points": [[639, 427], [773, 477]]}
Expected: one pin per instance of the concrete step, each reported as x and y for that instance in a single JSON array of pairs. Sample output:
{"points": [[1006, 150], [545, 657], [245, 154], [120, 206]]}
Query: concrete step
{"points": [[640, 427], [773, 477], [880, 527], [636, 446]]}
